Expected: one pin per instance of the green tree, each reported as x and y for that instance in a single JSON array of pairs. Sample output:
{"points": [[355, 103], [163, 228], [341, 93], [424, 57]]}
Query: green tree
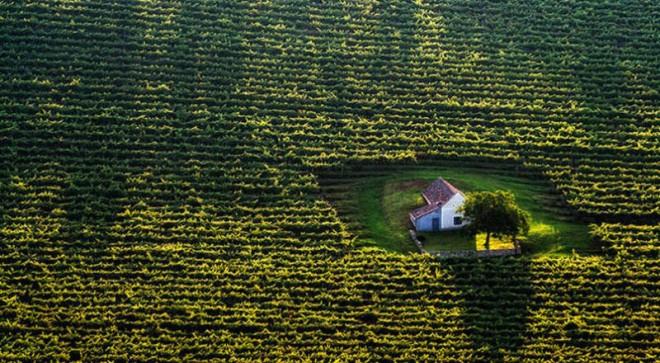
{"points": [[495, 213]]}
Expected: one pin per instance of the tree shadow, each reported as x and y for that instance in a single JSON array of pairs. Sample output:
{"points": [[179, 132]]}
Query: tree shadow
{"points": [[92, 201], [495, 295]]}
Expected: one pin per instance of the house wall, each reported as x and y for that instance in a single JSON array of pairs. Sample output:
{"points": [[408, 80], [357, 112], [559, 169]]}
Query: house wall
{"points": [[425, 223], [449, 212]]}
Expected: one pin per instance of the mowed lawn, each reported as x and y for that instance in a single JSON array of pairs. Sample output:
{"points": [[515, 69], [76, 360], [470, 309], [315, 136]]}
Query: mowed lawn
{"points": [[385, 202]]}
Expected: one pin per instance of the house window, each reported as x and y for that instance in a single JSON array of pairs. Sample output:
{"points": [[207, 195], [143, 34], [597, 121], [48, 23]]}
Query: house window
{"points": [[458, 221]]}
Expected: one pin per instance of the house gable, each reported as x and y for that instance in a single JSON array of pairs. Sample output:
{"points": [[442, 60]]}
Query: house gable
{"points": [[450, 211], [443, 200], [455, 202]]}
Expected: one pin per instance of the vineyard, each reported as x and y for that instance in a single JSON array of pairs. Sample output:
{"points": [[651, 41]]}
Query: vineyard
{"points": [[161, 166]]}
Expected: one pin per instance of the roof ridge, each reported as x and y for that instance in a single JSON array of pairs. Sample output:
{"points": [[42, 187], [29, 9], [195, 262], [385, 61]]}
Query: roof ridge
{"points": [[439, 192]]}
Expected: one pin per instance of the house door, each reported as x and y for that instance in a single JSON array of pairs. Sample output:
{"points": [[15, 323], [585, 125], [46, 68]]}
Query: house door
{"points": [[435, 224]]}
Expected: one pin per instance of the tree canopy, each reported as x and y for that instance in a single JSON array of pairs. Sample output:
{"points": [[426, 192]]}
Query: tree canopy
{"points": [[495, 213]]}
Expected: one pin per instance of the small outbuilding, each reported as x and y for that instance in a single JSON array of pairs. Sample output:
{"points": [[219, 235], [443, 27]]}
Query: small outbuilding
{"points": [[440, 213]]}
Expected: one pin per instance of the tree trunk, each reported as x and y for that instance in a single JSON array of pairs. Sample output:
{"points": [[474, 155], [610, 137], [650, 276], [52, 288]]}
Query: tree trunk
{"points": [[488, 240]]}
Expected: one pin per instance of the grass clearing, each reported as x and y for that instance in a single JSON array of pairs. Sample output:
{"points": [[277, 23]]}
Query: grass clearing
{"points": [[385, 201]]}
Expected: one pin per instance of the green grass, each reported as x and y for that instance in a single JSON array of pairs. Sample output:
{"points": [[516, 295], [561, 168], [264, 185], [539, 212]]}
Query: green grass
{"points": [[385, 201], [458, 240]]}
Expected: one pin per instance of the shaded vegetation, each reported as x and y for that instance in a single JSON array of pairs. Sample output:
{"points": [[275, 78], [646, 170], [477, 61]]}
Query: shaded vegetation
{"points": [[160, 164]]}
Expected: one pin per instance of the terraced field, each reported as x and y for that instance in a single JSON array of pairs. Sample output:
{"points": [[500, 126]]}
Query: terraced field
{"points": [[160, 166]]}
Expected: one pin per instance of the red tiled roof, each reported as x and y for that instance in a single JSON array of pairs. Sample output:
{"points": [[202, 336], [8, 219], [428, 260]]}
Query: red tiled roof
{"points": [[439, 192], [436, 194], [422, 211]]}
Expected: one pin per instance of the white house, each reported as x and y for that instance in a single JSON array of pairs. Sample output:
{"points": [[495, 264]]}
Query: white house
{"points": [[440, 212]]}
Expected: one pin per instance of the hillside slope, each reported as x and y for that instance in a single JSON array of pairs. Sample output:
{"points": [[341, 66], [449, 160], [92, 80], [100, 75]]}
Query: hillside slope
{"points": [[159, 166]]}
